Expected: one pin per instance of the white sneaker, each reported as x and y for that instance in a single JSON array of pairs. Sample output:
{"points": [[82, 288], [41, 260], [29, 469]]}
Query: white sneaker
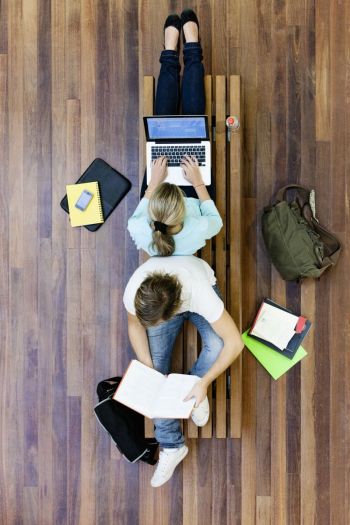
{"points": [[200, 415], [169, 458]]}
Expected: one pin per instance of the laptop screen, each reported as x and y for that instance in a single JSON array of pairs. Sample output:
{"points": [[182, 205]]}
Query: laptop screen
{"points": [[191, 127]]}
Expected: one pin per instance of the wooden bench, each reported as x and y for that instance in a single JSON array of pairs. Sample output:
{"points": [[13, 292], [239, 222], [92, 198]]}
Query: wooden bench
{"points": [[223, 253]]}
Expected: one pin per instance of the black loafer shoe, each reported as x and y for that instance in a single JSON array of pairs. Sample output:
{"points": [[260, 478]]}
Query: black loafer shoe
{"points": [[175, 21], [188, 15]]}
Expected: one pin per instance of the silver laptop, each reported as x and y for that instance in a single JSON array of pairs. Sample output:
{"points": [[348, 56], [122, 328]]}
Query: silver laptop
{"points": [[175, 137]]}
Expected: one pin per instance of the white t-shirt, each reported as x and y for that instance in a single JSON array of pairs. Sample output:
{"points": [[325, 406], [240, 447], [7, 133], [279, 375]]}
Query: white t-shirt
{"points": [[196, 277]]}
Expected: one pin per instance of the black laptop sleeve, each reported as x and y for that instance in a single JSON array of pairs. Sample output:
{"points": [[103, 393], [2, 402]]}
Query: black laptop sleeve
{"points": [[112, 184]]}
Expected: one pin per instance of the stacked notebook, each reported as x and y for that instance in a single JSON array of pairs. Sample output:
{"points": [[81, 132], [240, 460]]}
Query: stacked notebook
{"points": [[275, 337]]}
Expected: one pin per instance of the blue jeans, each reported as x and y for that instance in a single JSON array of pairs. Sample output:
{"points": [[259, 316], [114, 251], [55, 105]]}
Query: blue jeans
{"points": [[161, 339]]}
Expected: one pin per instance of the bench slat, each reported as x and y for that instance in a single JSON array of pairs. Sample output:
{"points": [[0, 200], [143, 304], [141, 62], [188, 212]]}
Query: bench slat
{"points": [[148, 100], [206, 252], [220, 240], [235, 241]]}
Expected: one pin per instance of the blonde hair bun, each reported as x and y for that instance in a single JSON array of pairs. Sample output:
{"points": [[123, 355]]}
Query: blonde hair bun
{"points": [[167, 206]]}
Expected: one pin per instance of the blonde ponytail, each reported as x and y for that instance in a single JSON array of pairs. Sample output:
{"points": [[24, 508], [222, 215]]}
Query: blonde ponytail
{"points": [[166, 206]]}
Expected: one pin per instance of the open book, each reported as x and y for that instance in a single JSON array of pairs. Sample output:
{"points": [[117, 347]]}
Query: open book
{"points": [[154, 395]]}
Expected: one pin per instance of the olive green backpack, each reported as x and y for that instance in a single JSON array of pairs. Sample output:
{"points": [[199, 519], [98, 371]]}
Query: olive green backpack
{"points": [[298, 245]]}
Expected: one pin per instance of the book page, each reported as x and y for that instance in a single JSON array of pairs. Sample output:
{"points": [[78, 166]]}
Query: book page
{"points": [[275, 325], [139, 388], [170, 402]]}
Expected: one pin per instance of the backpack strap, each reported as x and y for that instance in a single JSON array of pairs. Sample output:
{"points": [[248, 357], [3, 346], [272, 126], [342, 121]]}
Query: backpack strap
{"points": [[303, 193], [332, 244]]}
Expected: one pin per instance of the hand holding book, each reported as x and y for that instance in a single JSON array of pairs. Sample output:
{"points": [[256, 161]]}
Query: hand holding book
{"points": [[155, 395], [198, 392]]}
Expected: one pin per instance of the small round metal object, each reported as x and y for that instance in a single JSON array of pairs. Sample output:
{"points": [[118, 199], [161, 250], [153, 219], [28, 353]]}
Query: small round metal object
{"points": [[232, 122]]}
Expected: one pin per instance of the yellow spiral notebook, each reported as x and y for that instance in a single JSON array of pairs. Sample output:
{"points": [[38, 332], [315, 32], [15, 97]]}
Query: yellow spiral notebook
{"points": [[93, 214]]}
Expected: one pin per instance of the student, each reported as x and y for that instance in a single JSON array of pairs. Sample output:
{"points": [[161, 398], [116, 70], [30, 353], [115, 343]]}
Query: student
{"points": [[166, 222], [160, 295]]}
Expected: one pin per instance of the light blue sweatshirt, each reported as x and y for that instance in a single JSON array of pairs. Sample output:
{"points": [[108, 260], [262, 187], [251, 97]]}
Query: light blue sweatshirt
{"points": [[202, 221]]}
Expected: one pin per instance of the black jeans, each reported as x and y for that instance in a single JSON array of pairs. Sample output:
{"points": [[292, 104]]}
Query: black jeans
{"points": [[192, 92], [168, 88]]}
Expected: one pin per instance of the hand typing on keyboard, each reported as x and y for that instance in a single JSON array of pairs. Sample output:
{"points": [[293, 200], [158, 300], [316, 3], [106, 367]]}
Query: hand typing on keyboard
{"points": [[159, 170], [191, 170], [158, 174]]}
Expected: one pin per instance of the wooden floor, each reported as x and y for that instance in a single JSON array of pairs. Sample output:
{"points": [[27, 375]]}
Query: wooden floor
{"points": [[69, 84]]}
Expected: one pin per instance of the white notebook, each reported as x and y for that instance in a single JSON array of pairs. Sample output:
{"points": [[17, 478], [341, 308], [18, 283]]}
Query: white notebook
{"points": [[155, 395], [274, 325]]}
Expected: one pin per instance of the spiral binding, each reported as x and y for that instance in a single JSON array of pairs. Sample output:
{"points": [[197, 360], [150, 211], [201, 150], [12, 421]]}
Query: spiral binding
{"points": [[99, 201]]}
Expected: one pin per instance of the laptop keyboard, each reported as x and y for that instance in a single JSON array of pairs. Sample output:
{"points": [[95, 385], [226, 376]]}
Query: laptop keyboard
{"points": [[176, 153]]}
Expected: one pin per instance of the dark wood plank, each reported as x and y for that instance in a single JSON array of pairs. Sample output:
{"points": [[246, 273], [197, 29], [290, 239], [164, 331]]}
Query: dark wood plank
{"points": [[74, 459], [265, 176], [4, 266], [205, 468], [293, 104], [72, 51], [278, 426], [307, 434], [339, 425], [74, 346], [45, 369], [45, 121], [219, 38], [234, 482], [3, 27], [339, 96], [248, 72], [219, 501], [59, 267], [323, 98], [30, 232], [248, 441], [87, 95]]}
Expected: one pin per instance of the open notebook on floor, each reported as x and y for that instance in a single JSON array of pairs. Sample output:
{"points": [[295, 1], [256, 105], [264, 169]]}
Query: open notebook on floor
{"points": [[155, 395]]}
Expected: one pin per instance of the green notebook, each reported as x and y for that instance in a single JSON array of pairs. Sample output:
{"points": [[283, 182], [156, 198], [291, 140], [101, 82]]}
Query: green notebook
{"points": [[276, 364]]}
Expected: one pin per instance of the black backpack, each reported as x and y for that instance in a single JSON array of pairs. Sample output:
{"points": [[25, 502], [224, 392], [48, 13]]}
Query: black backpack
{"points": [[125, 426]]}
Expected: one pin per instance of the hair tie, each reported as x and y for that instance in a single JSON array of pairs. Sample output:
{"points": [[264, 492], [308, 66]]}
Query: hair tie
{"points": [[160, 227]]}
